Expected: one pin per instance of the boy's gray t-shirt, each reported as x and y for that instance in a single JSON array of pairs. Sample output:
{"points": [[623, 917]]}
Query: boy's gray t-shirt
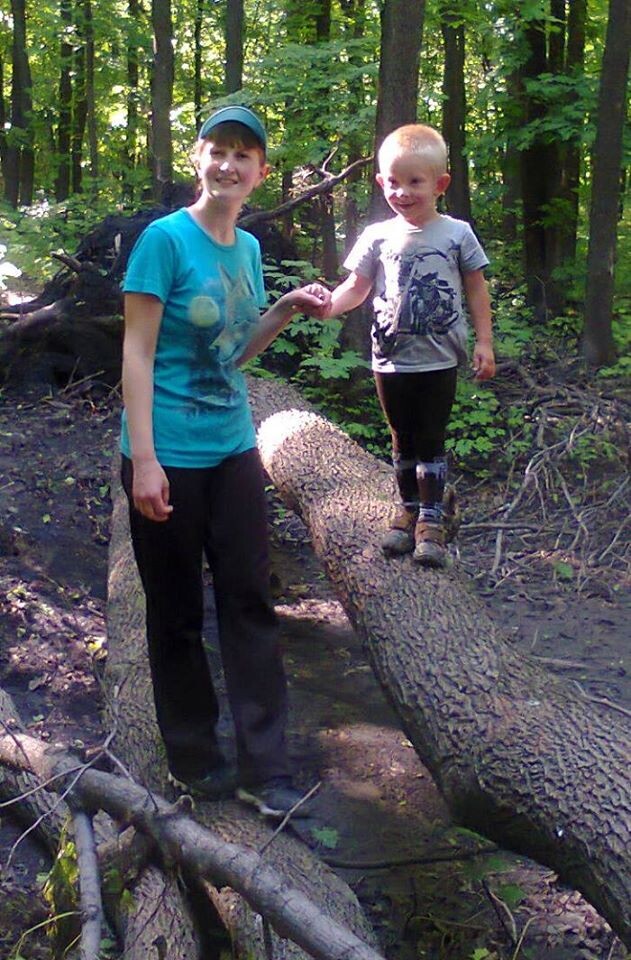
{"points": [[419, 321]]}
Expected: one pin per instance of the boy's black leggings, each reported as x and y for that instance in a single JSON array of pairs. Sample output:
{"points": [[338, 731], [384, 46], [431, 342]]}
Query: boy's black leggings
{"points": [[417, 407], [219, 512]]}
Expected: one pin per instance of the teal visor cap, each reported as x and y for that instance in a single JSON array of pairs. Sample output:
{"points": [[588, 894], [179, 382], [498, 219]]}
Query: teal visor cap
{"points": [[235, 115]]}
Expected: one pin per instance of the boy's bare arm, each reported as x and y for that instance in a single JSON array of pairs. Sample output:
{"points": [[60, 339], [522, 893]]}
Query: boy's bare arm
{"points": [[347, 295], [479, 304]]}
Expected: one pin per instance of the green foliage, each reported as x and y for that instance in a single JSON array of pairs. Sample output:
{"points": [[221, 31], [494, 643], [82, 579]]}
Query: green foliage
{"points": [[474, 428], [33, 233]]}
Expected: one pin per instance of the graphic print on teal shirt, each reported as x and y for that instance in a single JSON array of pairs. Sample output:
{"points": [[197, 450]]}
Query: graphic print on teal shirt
{"points": [[222, 320], [212, 295]]}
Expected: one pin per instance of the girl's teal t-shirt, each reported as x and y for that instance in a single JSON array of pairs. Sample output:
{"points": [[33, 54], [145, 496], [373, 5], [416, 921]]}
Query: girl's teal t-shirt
{"points": [[212, 296]]}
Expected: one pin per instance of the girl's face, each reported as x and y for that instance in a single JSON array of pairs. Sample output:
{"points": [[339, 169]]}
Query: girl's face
{"points": [[230, 171], [411, 186]]}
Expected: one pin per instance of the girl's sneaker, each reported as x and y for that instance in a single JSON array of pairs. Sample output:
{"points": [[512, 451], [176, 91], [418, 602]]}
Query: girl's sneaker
{"points": [[275, 799]]}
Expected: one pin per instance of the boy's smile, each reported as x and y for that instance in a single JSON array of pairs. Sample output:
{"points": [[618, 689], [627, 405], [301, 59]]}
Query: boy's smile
{"points": [[411, 187]]}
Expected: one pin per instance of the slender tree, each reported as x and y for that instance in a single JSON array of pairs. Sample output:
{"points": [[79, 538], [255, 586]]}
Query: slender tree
{"points": [[64, 123], [79, 100], [397, 100], [598, 344], [90, 98], [198, 97], [235, 24], [19, 166], [454, 110], [161, 96], [574, 66]]}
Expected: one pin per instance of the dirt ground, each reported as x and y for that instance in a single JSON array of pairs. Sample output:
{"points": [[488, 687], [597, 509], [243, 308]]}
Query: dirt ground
{"points": [[384, 826]]}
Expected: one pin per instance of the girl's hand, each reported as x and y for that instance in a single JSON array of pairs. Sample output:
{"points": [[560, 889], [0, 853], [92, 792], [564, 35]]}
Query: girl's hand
{"points": [[312, 299], [483, 361], [150, 491]]}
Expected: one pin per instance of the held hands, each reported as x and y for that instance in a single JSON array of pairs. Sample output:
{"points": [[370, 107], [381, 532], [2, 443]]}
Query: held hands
{"points": [[312, 299], [151, 491], [483, 361]]}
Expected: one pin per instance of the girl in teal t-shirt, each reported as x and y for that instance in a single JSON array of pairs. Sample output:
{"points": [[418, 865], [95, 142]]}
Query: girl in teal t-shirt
{"points": [[193, 476]]}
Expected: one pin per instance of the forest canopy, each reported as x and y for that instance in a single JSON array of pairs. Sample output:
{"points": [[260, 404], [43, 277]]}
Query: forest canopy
{"points": [[100, 104]]}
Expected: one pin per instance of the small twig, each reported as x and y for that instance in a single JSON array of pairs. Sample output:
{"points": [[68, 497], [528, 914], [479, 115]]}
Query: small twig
{"points": [[281, 826], [503, 912], [522, 937], [602, 700]]}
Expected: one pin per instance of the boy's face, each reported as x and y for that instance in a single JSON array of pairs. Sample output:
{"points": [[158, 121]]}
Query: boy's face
{"points": [[411, 186], [229, 170]]}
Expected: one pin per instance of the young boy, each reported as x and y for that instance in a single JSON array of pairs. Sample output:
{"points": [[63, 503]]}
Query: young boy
{"points": [[417, 266], [191, 471]]}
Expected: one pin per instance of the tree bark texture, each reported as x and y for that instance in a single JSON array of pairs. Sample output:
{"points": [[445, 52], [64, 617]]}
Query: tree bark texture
{"points": [[137, 741], [517, 754]]}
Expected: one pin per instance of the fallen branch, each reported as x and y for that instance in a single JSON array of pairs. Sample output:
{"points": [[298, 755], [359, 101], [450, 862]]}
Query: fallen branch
{"points": [[195, 849]]}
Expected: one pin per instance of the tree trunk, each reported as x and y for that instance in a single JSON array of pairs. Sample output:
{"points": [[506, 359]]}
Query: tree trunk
{"points": [[598, 345], [64, 122], [575, 62], [454, 114], [401, 38], [93, 152], [198, 95], [516, 753], [537, 161], [20, 163], [137, 741], [80, 111], [234, 45], [161, 96]]}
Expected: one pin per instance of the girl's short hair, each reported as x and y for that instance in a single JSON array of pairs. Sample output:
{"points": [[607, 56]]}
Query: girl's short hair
{"points": [[419, 139], [230, 134]]}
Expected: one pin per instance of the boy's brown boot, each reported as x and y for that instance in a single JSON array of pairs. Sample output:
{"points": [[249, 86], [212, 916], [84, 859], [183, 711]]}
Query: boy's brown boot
{"points": [[430, 544], [400, 537]]}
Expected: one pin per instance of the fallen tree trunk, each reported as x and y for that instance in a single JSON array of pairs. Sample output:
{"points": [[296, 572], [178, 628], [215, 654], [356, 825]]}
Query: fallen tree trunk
{"points": [[516, 753], [130, 714]]}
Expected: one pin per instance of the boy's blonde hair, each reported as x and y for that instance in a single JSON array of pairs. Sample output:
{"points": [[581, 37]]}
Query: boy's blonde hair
{"points": [[419, 139]]}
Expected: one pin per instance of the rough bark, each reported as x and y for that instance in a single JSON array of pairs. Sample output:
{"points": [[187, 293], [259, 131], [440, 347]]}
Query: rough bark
{"points": [[130, 712], [517, 754]]}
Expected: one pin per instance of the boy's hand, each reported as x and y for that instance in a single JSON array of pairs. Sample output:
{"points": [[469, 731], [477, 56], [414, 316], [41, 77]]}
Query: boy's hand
{"points": [[151, 491], [483, 361]]}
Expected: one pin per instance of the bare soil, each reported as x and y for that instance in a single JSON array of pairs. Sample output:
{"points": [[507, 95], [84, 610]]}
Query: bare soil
{"points": [[431, 890]]}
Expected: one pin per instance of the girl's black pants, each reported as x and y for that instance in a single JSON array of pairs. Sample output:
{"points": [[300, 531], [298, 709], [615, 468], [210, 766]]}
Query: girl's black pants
{"points": [[219, 512]]}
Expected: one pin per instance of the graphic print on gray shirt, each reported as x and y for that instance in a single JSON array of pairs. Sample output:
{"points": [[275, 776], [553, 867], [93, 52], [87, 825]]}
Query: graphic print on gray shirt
{"points": [[419, 322]]}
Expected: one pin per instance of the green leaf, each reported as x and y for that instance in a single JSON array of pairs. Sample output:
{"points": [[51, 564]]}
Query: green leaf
{"points": [[563, 570], [511, 894], [327, 836]]}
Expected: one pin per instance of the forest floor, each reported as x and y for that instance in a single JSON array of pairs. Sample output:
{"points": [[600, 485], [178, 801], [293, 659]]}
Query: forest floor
{"points": [[558, 585]]}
